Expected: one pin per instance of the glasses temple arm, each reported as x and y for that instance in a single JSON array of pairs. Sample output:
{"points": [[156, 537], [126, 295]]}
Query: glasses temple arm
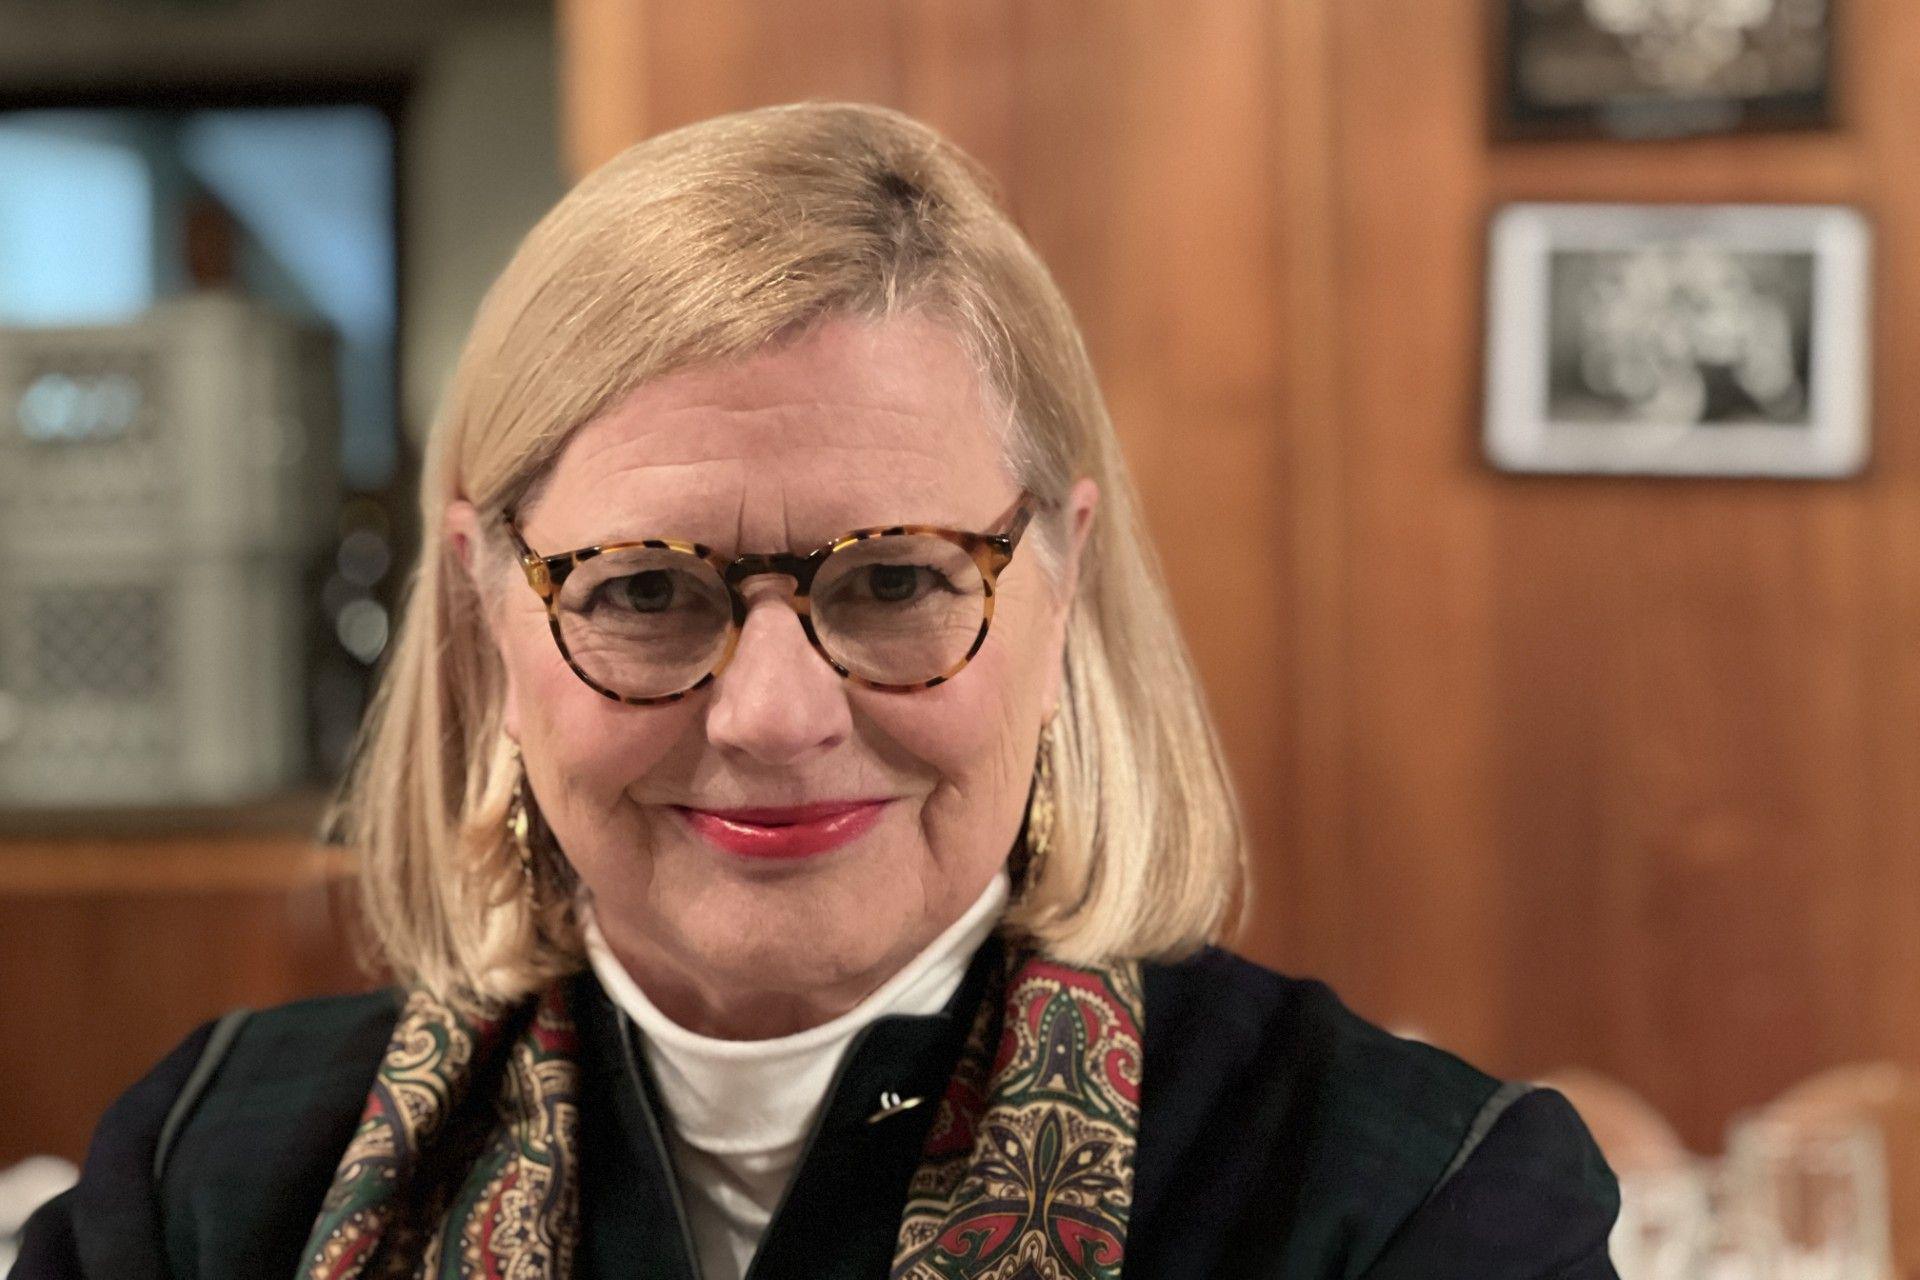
{"points": [[1016, 520], [520, 547]]}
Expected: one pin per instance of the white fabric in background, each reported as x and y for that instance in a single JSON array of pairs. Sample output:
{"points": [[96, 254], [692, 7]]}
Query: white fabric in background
{"points": [[24, 1187]]}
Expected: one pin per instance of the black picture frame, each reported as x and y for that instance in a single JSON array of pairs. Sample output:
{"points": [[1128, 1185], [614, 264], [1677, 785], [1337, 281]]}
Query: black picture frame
{"points": [[1560, 73]]}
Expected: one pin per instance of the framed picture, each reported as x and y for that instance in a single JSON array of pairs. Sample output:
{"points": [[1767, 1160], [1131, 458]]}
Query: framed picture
{"points": [[1707, 340], [1662, 68]]}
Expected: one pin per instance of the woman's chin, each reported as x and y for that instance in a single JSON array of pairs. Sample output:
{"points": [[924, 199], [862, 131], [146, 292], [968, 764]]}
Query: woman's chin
{"points": [[784, 954], [832, 923]]}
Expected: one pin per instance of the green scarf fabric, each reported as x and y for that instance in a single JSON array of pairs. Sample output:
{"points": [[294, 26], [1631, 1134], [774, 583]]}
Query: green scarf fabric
{"points": [[466, 1159]]}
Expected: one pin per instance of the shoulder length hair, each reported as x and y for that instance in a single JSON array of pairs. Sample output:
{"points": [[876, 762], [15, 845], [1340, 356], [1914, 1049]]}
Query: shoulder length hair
{"points": [[704, 244]]}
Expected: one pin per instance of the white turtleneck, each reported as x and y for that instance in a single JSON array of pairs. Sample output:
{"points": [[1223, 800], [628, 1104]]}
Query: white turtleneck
{"points": [[741, 1110]]}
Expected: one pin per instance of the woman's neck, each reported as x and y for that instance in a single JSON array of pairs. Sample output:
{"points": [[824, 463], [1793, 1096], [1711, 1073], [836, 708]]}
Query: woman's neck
{"points": [[727, 1012], [694, 1002]]}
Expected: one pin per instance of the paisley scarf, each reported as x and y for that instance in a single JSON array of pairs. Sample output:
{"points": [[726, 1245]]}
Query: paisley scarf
{"points": [[466, 1159]]}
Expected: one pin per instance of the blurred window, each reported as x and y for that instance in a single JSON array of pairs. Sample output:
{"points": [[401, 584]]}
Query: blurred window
{"points": [[76, 224], [105, 211]]}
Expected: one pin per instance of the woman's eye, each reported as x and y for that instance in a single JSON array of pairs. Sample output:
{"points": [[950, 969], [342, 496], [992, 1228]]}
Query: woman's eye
{"points": [[648, 592], [898, 583], [893, 583]]}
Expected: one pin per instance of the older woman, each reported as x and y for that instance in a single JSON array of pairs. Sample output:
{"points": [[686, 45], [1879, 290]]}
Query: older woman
{"points": [[795, 826]]}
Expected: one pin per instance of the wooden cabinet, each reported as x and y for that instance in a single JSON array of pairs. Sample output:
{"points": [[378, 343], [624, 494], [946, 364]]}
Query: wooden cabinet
{"points": [[113, 949]]}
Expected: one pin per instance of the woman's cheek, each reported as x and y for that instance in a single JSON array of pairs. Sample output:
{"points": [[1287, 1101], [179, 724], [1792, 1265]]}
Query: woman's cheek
{"points": [[947, 728], [619, 747], [593, 747]]}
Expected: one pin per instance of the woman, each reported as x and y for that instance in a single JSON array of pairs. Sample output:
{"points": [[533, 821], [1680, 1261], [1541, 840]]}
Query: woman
{"points": [[795, 825]]}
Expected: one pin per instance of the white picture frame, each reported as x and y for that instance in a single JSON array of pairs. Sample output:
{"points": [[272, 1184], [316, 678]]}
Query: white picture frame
{"points": [[1682, 340]]}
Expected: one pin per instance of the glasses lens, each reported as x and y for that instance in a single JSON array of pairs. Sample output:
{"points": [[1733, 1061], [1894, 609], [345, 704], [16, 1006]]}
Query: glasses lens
{"points": [[644, 623], [900, 608]]}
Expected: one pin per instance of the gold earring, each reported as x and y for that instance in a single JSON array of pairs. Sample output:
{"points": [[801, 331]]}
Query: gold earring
{"points": [[1041, 812], [520, 825]]}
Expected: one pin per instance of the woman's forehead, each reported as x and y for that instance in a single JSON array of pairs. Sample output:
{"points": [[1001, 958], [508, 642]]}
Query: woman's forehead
{"points": [[752, 508], [855, 424]]}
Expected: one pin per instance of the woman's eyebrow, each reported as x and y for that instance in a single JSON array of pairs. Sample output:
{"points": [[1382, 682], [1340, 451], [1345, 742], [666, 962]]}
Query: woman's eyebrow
{"points": [[643, 530]]}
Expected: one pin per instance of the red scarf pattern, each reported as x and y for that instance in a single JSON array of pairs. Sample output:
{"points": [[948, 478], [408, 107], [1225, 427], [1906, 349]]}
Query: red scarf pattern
{"points": [[466, 1159]]}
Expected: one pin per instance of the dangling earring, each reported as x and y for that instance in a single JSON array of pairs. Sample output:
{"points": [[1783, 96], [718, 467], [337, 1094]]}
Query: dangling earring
{"points": [[1041, 813], [521, 824]]}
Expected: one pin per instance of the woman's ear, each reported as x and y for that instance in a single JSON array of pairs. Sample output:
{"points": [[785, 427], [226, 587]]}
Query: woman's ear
{"points": [[1081, 501], [460, 527]]}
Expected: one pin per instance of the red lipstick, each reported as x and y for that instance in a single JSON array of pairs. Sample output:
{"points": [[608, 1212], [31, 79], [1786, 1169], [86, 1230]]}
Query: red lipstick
{"points": [[794, 831]]}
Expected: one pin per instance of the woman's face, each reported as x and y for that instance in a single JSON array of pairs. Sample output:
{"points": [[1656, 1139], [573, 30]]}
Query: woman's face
{"points": [[855, 423]]}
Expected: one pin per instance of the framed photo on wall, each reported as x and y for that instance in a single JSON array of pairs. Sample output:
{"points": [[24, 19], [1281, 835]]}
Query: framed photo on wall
{"points": [[1702, 340], [1662, 68]]}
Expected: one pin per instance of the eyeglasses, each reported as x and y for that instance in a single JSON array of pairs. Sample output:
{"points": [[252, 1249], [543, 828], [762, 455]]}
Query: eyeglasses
{"points": [[896, 607]]}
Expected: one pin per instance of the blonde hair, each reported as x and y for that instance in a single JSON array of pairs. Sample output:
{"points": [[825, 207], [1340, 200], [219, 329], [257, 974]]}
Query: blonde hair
{"points": [[704, 244]]}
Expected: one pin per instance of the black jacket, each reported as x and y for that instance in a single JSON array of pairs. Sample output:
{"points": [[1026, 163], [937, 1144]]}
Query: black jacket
{"points": [[1280, 1137]]}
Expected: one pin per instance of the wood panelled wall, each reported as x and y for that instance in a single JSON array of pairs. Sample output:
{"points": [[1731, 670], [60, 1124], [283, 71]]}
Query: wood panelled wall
{"points": [[1623, 774], [113, 949]]}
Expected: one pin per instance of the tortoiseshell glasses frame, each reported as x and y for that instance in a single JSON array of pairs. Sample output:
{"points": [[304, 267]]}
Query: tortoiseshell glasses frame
{"points": [[990, 553]]}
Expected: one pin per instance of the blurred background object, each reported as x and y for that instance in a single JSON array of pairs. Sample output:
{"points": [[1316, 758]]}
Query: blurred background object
{"points": [[1661, 339], [1662, 68], [240, 243], [24, 1187], [164, 490], [1885, 1098], [1618, 772], [1818, 1183], [1801, 1199]]}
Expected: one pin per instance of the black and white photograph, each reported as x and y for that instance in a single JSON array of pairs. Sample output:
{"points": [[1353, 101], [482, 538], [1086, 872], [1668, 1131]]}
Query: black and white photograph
{"points": [[1686, 340], [1663, 68]]}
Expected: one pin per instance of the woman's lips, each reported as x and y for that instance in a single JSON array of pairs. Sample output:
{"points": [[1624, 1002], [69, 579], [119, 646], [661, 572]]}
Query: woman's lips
{"points": [[795, 832]]}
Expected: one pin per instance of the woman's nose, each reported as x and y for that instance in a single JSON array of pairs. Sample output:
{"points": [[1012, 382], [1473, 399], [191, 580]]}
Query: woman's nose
{"points": [[777, 700]]}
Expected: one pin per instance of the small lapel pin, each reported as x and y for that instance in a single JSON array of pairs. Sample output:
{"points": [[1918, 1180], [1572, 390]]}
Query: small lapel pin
{"points": [[892, 1104]]}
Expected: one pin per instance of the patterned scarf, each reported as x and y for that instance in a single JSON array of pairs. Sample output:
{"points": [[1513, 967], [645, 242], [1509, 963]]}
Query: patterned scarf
{"points": [[466, 1160]]}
